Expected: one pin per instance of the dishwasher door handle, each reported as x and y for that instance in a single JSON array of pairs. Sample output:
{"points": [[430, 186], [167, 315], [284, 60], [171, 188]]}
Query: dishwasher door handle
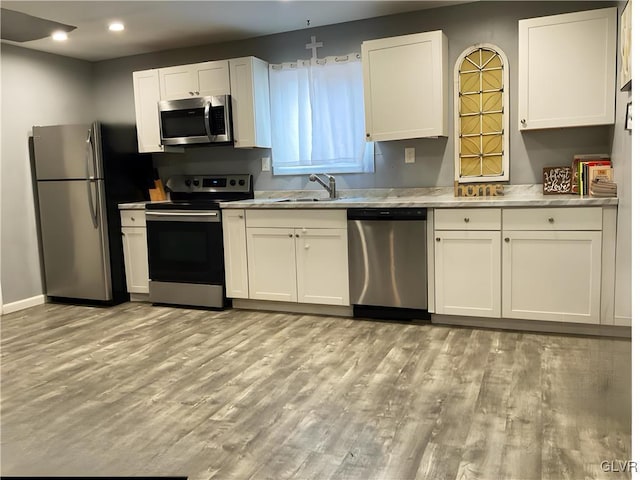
{"points": [[395, 214]]}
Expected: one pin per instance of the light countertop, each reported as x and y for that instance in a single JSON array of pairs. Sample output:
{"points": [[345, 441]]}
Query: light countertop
{"points": [[433, 197], [137, 205]]}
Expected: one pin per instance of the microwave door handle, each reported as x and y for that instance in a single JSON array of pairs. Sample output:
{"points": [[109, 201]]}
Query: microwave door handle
{"points": [[207, 114]]}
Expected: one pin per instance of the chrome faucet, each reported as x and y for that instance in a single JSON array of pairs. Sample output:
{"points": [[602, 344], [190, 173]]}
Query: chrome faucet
{"points": [[329, 186]]}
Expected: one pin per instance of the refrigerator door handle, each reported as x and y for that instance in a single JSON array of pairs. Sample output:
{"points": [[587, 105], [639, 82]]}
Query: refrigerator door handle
{"points": [[93, 205], [89, 159]]}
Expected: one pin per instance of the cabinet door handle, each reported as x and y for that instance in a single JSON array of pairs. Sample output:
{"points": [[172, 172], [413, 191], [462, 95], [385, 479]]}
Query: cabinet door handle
{"points": [[297, 236], [507, 239], [437, 239], [551, 220], [291, 235], [466, 219], [197, 93], [240, 216], [133, 219], [523, 121], [306, 246]]}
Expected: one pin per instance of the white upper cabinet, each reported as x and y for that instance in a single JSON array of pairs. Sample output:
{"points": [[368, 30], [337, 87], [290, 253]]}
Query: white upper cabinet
{"points": [[146, 92], [195, 80], [245, 79], [567, 70], [250, 102], [406, 86]]}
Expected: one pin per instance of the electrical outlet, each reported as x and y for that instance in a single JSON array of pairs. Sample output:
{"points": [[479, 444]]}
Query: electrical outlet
{"points": [[409, 155], [266, 164]]}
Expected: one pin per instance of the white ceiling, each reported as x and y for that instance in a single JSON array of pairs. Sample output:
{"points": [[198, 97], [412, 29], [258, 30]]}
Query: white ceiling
{"points": [[160, 25]]}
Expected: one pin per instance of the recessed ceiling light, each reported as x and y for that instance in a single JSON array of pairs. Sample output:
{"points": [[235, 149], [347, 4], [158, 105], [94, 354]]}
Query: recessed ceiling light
{"points": [[116, 27], [59, 36]]}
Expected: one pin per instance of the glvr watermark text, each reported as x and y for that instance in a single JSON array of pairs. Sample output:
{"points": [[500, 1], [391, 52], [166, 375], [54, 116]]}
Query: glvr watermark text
{"points": [[619, 466]]}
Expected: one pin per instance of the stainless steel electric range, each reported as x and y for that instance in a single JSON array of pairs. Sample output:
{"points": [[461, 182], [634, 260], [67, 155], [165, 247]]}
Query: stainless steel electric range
{"points": [[184, 239]]}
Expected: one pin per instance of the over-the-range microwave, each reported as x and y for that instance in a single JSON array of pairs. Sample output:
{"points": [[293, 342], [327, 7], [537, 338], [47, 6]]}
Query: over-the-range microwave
{"points": [[196, 120]]}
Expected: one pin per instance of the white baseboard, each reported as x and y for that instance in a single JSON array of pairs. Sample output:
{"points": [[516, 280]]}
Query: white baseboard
{"points": [[623, 321], [139, 297], [563, 328], [22, 304]]}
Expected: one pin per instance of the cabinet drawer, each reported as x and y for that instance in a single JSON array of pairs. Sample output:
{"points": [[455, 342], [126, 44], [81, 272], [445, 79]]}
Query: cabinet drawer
{"points": [[295, 218], [133, 218], [467, 219], [581, 218]]}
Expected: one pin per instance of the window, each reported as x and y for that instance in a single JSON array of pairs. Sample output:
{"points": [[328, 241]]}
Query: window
{"points": [[317, 117], [482, 107]]}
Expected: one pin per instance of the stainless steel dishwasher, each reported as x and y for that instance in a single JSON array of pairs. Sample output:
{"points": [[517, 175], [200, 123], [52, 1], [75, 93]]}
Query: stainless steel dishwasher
{"points": [[388, 262]]}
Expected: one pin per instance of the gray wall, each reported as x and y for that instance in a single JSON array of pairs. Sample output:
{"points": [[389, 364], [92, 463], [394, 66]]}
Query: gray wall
{"points": [[37, 89], [464, 25], [40, 89]]}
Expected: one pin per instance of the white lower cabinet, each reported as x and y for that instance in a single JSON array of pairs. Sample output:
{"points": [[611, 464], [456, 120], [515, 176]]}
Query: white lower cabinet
{"points": [[531, 264], [321, 261], [134, 243], [271, 254], [468, 273], [235, 253], [467, 262], [550, 275], [552, 263], [298, 256]]}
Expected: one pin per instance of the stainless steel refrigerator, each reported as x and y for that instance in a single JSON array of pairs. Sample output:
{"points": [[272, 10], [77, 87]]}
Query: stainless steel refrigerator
{"points": [[82, 172]]}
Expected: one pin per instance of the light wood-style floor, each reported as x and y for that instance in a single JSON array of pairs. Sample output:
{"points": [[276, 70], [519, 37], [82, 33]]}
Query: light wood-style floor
{"points": [[145, 390]]}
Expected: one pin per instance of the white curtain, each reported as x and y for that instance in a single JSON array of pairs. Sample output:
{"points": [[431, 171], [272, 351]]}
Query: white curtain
{"points": [[317, 117]]}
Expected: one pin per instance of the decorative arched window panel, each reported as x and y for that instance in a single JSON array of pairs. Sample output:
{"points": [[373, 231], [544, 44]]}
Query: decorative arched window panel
{"points": [[482, 115]]}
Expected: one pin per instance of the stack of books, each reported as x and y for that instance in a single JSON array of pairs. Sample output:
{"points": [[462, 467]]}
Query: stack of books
{"points": [[603, 187], [586, 168]]}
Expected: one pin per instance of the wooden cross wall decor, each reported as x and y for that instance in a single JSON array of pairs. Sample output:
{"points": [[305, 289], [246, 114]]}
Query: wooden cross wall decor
{"points": [[313, 46]]}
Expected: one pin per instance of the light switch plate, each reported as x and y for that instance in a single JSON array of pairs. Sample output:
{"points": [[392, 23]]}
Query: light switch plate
{"points": [[409, 155], [266, 164]]}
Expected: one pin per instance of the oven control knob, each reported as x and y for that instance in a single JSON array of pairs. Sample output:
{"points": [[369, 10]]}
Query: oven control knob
{"points": [[232, 183], [196, 183], [187, 182], [241, 182]]}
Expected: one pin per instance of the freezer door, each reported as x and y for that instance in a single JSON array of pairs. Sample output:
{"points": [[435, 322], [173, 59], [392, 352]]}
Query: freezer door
{"points": [[74, 242], [64, 152]]}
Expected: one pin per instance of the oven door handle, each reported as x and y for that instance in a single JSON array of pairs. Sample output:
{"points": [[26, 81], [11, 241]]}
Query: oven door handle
{"points": [[182, 216]]}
